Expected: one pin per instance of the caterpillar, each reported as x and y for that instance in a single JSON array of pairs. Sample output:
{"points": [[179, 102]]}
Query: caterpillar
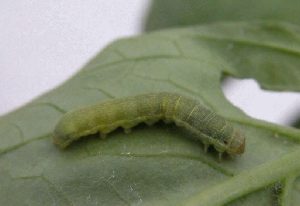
{"points": [[185, 112]]}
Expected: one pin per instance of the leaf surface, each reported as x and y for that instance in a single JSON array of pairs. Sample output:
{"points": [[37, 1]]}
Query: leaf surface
{"points": [[178, 13], [163, 164]]}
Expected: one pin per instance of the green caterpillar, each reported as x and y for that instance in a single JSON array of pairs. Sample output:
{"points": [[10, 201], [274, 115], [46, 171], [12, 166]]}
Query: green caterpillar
{"points": [[105, 117]]}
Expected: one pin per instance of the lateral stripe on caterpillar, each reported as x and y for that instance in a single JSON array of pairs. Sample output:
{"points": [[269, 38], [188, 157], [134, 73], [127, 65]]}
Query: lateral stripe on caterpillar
{"points": [[105, 117]]}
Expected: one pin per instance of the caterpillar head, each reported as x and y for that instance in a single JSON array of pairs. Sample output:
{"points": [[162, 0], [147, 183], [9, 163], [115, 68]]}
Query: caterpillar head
{"points": [[237, 143]]}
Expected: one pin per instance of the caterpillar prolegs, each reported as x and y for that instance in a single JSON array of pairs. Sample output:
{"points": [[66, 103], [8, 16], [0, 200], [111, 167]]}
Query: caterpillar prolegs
{"points": [[127, 112]]}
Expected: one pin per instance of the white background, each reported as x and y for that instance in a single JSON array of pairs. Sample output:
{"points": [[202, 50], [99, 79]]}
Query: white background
{"points": [[42, 43]]}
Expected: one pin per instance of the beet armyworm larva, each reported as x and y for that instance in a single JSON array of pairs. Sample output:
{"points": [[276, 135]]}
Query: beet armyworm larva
{"points": [[127, 112]]}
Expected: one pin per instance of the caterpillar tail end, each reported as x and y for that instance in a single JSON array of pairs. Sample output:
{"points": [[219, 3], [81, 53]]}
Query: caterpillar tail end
{"points": [[57, 141]]}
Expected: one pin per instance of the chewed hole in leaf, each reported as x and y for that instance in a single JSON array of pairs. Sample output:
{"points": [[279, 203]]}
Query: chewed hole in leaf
{"points": [[277, 107]]}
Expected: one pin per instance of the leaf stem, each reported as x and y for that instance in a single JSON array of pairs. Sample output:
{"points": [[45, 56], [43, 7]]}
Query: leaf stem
{"points": [[287, 189], [248, 181]]}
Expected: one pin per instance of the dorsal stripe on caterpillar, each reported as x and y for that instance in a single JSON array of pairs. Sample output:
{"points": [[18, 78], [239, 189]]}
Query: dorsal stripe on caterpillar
{"points": [[127, 112]]}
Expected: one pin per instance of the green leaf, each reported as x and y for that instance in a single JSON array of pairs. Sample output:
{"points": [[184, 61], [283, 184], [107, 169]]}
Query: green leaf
{"points": [[176, 13], [163, 164]]}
